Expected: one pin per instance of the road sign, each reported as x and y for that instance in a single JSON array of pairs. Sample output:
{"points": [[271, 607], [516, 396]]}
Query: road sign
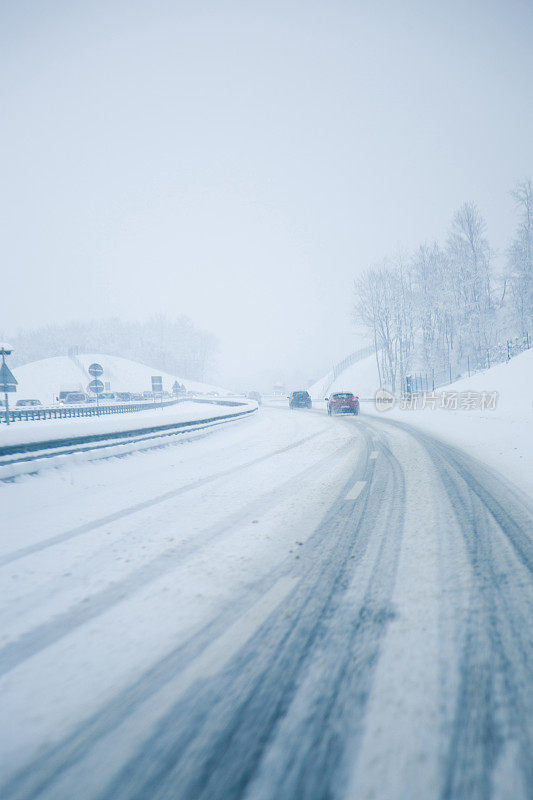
{"points": [[8, 382], [95, 370], [157, 384], [96, 386]]}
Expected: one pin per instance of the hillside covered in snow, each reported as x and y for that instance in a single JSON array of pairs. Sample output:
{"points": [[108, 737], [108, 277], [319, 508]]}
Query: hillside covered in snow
{"points": [[360, 378], [45, 378]]}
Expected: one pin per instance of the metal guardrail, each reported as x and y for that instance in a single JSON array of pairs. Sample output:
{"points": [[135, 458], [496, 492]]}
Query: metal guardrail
{"points": [[29, 413]]}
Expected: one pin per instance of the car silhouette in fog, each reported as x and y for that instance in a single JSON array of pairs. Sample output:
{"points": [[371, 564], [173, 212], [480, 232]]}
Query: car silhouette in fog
{"points": [[300, 400]]}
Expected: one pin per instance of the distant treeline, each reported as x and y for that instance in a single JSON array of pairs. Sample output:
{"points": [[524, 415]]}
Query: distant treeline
{"points": [[434, 309], [172, 345]]}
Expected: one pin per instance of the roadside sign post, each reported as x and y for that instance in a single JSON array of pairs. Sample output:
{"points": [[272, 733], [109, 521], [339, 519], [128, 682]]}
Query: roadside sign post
{"points": [[157, 387], [96, 370], [97, 387], [8, 382]]}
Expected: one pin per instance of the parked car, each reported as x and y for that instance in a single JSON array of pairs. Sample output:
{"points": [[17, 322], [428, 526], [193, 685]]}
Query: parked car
{"points": [[123, 397], [343, 403], [300, 400], [255, 396], [64, 393], [28, 403], [76, 398]]}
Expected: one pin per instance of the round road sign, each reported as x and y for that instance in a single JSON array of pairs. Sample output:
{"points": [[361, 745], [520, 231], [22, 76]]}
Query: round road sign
{"points": [[96, 370], [96, 386]]}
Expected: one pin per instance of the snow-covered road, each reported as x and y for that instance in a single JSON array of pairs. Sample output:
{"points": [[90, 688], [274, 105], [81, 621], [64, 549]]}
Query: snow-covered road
{"points": [[292, 607]]}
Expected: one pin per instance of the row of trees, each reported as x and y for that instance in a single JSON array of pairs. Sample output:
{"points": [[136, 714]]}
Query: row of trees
{"points": [[173, 345], [431, 311]]}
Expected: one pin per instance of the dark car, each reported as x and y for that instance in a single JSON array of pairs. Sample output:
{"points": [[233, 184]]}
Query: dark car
{"points": [[343, 403], [29, 403], [300, 400]]}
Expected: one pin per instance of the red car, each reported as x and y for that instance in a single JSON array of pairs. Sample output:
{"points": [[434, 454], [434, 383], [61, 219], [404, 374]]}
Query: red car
{"points": [[343, 403]]}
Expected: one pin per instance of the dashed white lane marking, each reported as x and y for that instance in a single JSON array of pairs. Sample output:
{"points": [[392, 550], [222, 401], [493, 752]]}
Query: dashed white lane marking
{"points": [[217, 654], [374, 454], [355, 491]]}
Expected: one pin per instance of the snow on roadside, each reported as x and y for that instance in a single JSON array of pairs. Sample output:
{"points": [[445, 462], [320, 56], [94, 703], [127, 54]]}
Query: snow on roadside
{"points": [[45, 430], [502, 437]]}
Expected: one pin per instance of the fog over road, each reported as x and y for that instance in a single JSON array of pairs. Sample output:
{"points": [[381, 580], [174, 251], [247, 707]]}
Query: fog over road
{"points": [[290, 607]]}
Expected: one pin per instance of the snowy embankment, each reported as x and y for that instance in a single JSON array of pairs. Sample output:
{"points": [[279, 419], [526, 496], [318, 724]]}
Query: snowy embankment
{"points": [[361, 379], [43, 379], [501, 437]]}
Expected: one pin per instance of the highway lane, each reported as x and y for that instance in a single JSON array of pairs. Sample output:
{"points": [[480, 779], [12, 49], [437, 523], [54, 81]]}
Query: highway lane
{"points": [[315, 608]]}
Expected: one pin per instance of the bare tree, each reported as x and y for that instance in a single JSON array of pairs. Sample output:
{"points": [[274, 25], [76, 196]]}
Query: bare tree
{"points": [[383, 305], [469, 258], [520, 258]]}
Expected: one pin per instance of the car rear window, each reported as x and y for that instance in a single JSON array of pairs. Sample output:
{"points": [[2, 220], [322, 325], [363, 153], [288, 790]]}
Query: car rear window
{"points": [[299, 395], [343, 396]]}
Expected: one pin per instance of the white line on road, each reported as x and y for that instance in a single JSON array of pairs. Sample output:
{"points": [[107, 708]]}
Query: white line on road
{"points": [[355, 491]]}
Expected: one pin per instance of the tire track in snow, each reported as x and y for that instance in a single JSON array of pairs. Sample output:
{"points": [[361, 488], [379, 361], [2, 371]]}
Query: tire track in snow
{"points": [[494, 703], [35, 640], [43, 776], [212, 744], [125, 512]]}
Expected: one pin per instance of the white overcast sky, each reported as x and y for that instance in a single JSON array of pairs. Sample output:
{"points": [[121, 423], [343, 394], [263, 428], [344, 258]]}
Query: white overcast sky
{"points": [[242, 162]]}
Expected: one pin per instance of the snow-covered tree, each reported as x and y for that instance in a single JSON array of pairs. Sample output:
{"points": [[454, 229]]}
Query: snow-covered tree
{"points": [[520, 259], [383, 306], [469, 271]]}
